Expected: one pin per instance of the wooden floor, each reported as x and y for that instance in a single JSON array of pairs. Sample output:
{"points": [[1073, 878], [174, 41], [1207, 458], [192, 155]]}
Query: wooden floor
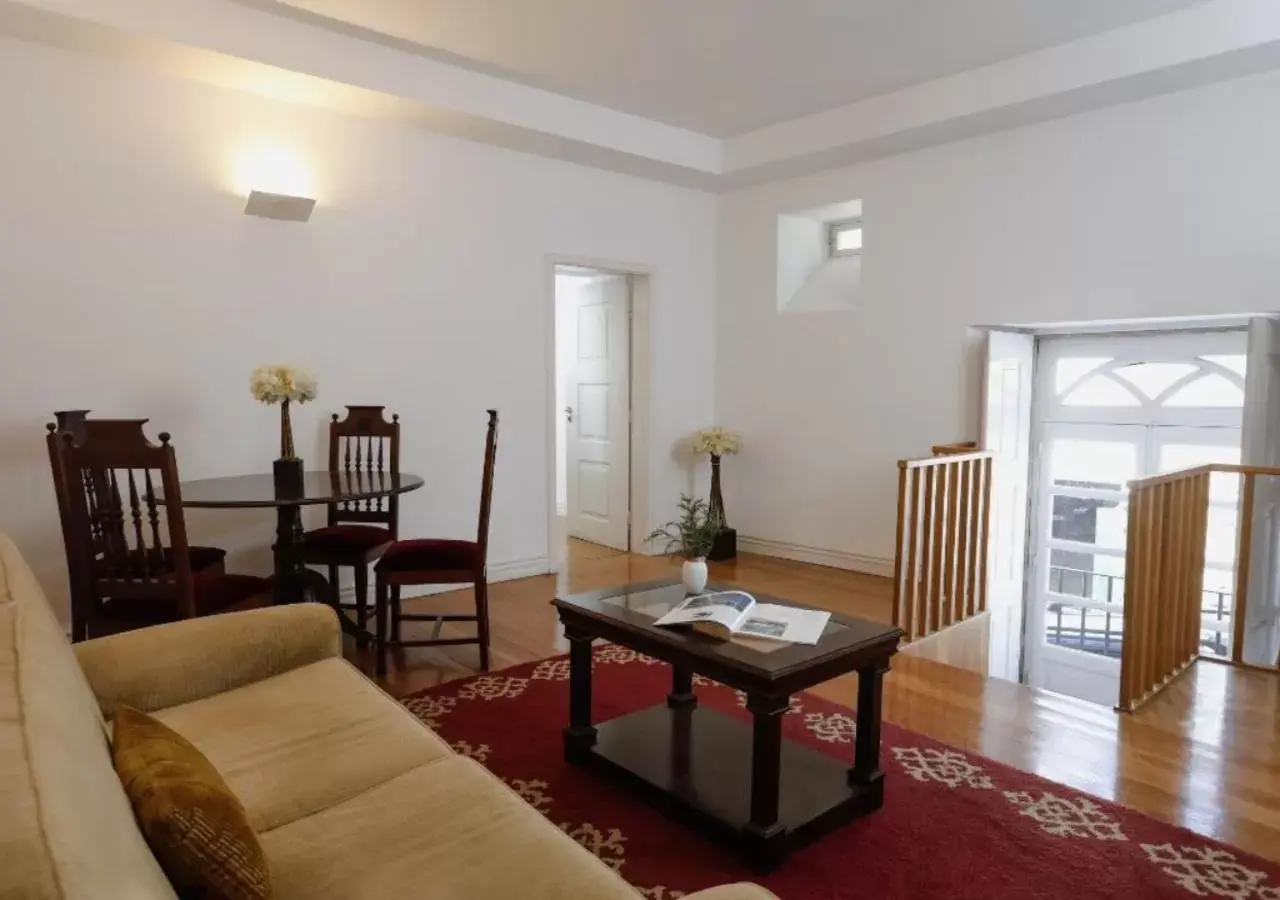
{"points": [[1205, 755]]}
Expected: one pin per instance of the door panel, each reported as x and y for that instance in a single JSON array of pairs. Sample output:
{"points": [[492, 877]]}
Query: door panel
{"points": [[1007, 432], [597, 430], [1081, 527], [1261, 447]]}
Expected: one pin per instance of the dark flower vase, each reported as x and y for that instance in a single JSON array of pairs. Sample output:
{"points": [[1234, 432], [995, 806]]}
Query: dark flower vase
{"points": [[726, 542], [288, 475], [288, 468]]}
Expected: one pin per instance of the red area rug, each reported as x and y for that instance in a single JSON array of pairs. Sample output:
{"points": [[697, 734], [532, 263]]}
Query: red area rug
{"points": [[954, 825]]}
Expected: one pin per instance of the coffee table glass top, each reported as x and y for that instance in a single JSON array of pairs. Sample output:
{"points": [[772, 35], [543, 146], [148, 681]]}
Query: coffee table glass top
{"points": [[636, 607]]}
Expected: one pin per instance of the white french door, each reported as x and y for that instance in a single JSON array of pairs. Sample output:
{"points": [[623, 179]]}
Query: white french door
{"points": [[1110, 409]]}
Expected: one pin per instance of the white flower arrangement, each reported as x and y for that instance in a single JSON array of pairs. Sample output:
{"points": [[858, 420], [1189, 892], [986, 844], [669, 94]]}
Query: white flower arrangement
{"points": [[717, 441], [280, 384]]}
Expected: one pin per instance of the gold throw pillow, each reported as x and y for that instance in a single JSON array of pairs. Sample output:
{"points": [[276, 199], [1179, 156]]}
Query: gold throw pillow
{"points": [[195, 826]]}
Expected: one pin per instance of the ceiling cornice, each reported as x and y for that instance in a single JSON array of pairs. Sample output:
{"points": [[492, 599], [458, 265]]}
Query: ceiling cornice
{"points": [[268, 48]]}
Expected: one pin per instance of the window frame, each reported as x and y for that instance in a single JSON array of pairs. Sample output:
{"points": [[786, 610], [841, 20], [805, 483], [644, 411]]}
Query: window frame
{"points": [[836, 228]]}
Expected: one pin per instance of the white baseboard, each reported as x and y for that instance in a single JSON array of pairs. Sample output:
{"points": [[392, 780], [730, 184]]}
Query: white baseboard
{"points": [[835, 559], [503, 571]]}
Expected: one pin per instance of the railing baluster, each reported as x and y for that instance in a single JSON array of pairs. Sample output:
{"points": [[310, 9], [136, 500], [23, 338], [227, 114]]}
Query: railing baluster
{"points": [[915, 568], [1244, 552], [1189, 605], [1128, 650], [1200, 539], [1146, 590], [897, 544], [953, 525], [964, 572], [985, 545], [937, 544], [1161, 585], [928, 552]]}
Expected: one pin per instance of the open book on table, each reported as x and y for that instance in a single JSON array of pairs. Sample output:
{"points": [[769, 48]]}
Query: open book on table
{"points": [[731, 613]]}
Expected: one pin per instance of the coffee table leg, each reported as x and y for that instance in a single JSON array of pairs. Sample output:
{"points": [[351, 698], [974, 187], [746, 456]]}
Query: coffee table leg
{"points": [[866, 759], [765, 837], [580, 735], [682, 694]]}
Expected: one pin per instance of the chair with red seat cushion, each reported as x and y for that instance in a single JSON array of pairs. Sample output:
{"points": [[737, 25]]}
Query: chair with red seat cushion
{"points": [[437, 561], [72, 422], [129, 560], [363, 444]]}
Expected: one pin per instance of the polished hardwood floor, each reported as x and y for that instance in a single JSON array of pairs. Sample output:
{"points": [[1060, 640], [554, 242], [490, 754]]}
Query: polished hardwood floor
{"points": [[1205, 755]]}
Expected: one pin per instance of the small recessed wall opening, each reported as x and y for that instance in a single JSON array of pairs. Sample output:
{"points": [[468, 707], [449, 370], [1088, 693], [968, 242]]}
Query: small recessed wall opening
{"points": [[820, 258]]}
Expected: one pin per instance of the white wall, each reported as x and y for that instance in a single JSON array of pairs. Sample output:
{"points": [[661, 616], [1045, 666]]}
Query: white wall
{"points": [[1163, 208], [133, 285]]}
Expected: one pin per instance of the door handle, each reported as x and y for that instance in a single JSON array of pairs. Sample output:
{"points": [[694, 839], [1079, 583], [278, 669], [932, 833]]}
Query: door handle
{"points": [[568, 413]]}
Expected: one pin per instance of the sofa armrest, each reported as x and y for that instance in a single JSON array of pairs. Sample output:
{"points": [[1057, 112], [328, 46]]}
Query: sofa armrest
{"points": [[167, 665], [740, 891]]}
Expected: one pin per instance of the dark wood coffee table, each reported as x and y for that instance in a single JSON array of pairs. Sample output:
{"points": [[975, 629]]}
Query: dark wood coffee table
{"points": [[733, 781]]}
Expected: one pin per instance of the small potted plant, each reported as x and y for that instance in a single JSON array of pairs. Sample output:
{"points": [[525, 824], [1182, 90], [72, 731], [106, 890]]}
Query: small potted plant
{"points": [[284, 385], [690, 537]]}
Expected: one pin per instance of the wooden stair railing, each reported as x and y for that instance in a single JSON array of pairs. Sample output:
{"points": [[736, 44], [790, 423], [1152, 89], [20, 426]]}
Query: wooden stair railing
{"points": [[1164, 577], [944, 519]]}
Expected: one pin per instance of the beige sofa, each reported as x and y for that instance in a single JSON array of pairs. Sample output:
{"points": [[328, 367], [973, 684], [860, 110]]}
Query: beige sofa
{"points": [[351, 795]]}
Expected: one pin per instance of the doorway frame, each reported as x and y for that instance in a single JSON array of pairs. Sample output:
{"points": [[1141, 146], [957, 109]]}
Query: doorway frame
{"points": [[640, 280], [1190, 333]]}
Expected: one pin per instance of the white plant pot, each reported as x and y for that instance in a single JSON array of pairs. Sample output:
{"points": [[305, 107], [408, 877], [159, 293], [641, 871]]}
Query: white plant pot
{"points": [[694, 575]]}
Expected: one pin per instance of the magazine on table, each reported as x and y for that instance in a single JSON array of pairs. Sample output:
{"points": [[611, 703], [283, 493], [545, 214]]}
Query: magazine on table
{"points": [[736, 613]]}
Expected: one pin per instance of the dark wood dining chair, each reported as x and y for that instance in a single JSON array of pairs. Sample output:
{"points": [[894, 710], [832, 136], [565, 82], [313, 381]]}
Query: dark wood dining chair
{"points": [[72, 422], [435, 561], [362, 446], [130, 563]]}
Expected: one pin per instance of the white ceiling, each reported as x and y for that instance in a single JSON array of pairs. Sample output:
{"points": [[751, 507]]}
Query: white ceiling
{"points": [[727, 67]]}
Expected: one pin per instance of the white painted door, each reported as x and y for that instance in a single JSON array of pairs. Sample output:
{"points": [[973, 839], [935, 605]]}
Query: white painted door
{"points": [[1006, 430], [1261, 447], [597, 414]]}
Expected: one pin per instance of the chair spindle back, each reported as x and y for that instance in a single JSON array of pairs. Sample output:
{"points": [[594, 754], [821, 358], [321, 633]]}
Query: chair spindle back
{"points": [[365, 448]]}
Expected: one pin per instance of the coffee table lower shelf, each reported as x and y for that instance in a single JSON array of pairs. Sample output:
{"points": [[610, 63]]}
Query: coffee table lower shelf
{"points": [[695, 765]]}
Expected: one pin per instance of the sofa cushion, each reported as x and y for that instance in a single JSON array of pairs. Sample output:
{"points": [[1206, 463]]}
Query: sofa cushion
{"points": [[294, 744], [450, 825], [192, 821], [65, 824]]}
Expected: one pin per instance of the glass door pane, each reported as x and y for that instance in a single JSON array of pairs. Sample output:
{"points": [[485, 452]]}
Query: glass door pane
{"points": [[1084, 498]]}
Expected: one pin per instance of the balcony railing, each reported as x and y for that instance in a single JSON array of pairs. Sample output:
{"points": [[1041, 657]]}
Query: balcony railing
{"points": [[1093, 620]]}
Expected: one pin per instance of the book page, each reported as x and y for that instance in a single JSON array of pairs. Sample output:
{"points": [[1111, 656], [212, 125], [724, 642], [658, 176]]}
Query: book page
{"points": [[784, 623], [725, 608]]}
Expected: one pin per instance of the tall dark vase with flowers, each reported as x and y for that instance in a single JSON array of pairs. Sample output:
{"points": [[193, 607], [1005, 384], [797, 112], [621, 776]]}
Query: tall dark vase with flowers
{"points": [[716, 443], [284, 385]]}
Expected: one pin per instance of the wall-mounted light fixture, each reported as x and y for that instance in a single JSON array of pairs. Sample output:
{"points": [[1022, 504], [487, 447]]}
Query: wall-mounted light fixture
{"points": [[277, 183]]}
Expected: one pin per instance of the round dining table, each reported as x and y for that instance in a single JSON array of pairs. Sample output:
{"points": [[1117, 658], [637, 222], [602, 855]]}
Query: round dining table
{"points": [[294, 581]]}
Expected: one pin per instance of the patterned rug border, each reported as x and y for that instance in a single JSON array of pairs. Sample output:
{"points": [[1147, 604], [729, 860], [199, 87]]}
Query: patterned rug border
{"points": [[455, 686]]}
